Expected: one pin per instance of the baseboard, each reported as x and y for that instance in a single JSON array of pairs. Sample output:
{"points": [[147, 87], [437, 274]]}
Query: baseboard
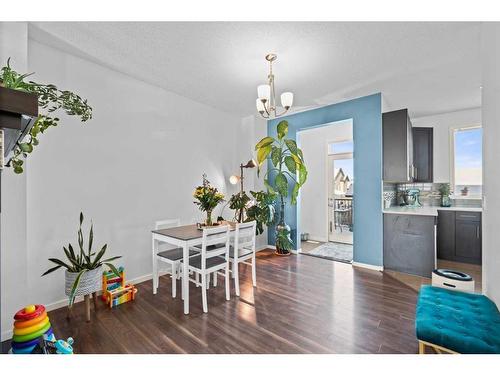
{"points": [[368, 266]]}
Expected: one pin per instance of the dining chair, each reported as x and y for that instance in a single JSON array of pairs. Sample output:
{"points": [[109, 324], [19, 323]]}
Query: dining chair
{"points": [[168, 254], [242, 249], [212, 259]]}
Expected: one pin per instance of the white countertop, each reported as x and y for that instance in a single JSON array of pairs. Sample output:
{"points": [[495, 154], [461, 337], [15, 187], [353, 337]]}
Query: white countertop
{"points": [[426, 210]]}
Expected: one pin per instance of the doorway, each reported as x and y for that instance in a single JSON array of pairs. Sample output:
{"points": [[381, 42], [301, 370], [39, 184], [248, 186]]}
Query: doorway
{"points": [[326, 200], [340, 192]]}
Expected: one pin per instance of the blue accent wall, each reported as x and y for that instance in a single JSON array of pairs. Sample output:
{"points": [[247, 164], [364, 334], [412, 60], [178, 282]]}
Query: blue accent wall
{"points": [[366, 114]]}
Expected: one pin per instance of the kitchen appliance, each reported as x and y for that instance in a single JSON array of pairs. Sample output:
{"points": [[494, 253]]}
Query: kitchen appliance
{"points": [[412, 198]]}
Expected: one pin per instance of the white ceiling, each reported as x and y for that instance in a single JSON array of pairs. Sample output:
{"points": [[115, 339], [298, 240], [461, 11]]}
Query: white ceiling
{"points": [[427, 67]]}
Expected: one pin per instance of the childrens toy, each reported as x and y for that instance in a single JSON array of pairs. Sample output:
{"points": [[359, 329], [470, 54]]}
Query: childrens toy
{"points": [[114, 290], [31, 323], [64, 347]]}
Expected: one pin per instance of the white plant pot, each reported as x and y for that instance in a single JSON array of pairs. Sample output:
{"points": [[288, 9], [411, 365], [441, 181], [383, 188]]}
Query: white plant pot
{"points": [[90, 282]]}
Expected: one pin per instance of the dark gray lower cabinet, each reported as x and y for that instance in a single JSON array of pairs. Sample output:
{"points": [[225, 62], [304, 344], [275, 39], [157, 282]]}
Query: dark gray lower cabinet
{"points": [[459, 236], [409, 244]]}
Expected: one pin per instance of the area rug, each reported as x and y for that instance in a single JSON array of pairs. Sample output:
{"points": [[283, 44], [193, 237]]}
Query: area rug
{"points": [[333, 250]]}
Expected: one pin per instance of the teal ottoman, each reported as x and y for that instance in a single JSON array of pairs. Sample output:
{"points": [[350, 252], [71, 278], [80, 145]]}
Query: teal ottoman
{"points": [[456, 322]]}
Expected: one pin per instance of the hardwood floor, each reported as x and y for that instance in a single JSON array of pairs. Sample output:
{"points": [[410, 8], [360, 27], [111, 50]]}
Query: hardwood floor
{"points": [[302, 304]]}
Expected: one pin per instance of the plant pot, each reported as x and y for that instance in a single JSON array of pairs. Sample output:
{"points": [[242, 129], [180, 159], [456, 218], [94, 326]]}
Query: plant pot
{"points": [[90, 282], [283, 230]]}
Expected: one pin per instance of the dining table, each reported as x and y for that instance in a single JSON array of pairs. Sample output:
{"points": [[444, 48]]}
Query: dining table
{"points": [[185, 237]]}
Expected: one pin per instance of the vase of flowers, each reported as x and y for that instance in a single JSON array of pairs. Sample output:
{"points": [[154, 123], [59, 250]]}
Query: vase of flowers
{"points": [[207, 198]]}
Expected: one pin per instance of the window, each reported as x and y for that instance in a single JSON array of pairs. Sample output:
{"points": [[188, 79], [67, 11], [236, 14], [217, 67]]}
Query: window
{"points": [[468, 162], [340, 147]]}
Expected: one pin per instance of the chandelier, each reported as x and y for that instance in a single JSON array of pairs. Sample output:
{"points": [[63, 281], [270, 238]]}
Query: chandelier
{"points": [[266, 101]]}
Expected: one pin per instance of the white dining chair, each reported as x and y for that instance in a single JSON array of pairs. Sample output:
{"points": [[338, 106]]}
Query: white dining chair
{"points": [[213, 258], [168, 254], [242, 249]]}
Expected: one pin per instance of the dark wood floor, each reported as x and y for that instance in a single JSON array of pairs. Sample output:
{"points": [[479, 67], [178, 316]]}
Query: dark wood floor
{"points": [[302, 304]]}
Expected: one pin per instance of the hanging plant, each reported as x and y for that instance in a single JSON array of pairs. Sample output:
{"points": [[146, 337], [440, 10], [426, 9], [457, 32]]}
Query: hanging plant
{"points": [[50, 99]]}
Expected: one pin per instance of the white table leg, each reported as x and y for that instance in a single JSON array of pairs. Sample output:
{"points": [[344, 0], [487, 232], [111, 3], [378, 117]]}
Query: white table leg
{"points": [[185, 277], [155, 267]]}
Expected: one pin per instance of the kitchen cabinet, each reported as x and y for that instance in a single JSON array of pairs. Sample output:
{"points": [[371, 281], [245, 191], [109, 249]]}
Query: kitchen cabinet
{"points": [[397, 138], [409, 243], [423, 154], [459, 236]]}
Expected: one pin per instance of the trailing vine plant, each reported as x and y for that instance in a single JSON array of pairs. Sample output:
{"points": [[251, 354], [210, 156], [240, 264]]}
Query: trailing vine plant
{"points": [[50, 99]]}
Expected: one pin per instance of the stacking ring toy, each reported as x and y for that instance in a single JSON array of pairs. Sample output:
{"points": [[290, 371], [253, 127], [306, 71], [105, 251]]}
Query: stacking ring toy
{"points": [[20, 345], [24, 315], [31, 329], [29, 323], [31, 336], [26, 350]]}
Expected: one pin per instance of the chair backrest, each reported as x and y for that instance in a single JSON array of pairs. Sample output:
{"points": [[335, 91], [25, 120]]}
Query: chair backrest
{"points": [[244, 236], [214, 238], [168, 223]]}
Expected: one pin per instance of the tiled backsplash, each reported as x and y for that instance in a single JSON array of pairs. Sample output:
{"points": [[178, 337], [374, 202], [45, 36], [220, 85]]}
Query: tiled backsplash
{"points": [[429, 195]]}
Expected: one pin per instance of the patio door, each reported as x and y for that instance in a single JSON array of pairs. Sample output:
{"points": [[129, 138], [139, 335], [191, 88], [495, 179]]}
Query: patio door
{"points": [[340, 194]]}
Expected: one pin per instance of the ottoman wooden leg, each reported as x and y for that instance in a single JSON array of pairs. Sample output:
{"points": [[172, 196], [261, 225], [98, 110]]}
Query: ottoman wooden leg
{"points": [[94, 297], [421, 347], [87, 307]]}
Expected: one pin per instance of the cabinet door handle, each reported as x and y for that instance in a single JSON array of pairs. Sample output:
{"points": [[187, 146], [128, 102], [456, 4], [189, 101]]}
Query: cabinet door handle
{"points": [[477, 231]]}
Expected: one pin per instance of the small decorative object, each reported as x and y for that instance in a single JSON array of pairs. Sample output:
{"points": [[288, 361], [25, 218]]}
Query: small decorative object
{"points": [[51, 99], [30, 324], [465, 191], [207, 198], [114, 290], [289, 171], [84, 270], [444, 190]]}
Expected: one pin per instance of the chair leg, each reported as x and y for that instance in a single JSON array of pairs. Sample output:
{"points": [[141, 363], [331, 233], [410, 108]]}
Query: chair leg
{"points": [[208, 280], [197, 279], [236, 278], [254, 273], [155, 269], [226, 280], [215, 279], [421, 347], [174, 280], [204, 293]]}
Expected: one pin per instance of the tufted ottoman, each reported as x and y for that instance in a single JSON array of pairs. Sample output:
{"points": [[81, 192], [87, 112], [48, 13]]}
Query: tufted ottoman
{"points": [[456, 322]]}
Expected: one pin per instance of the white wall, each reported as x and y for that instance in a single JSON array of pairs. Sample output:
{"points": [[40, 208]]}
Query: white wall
{"points": [[314, 194], [490, 55], [137, 161], [13, 247], [443, 124]]}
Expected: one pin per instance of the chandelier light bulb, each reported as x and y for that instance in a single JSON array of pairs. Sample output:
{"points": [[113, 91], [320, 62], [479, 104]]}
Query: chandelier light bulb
{"points": [[264, 92], [286, 100]]}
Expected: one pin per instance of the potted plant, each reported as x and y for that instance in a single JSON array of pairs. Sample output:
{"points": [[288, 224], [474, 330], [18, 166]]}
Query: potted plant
{"points": [[83, 274], [262, 211], [207, 198], [50, 99], [239, 202], [444, 190], [290, 173]]}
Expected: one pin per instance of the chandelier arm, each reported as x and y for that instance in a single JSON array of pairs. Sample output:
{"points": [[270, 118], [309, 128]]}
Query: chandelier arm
{"points": [[282, 113], [265, 108]]}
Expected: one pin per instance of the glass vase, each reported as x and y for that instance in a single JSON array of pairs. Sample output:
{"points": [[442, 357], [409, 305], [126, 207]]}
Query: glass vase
{"points": [[445, 201], [208, 222]]}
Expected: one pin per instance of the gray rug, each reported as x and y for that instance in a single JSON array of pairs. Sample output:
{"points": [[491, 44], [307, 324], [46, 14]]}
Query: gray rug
{"points": [[333, 250]]}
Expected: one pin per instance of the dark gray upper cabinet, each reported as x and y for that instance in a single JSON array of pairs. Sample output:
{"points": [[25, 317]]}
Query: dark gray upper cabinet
{"points": [[397, 146], [409, 244], [423, 154], [459, 236]]}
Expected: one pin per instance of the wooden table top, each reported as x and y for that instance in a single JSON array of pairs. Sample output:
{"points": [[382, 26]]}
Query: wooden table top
{"points": [[186, 232]]}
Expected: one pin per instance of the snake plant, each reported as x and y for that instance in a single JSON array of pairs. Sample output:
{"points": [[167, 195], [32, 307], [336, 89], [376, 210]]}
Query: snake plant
{"points": [[82, 260]]}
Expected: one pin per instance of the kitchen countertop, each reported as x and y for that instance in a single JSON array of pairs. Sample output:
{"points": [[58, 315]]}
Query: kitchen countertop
{"points": [[426, 210]]}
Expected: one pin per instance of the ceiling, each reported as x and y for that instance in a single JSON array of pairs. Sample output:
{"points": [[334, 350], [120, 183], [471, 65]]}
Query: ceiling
{"points": [[427, 67]]}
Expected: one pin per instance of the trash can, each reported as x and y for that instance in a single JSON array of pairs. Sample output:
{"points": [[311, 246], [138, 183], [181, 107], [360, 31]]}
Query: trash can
{"points": [[451, 279]]}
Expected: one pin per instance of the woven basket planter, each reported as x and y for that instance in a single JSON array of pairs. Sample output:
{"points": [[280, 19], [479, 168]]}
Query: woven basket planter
{"points": [[90, 282]]}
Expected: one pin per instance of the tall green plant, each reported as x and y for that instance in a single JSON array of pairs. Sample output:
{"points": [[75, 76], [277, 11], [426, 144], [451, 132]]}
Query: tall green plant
{"points": [[82, 260], [50, 99], [263, 211], [289, 171]]}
